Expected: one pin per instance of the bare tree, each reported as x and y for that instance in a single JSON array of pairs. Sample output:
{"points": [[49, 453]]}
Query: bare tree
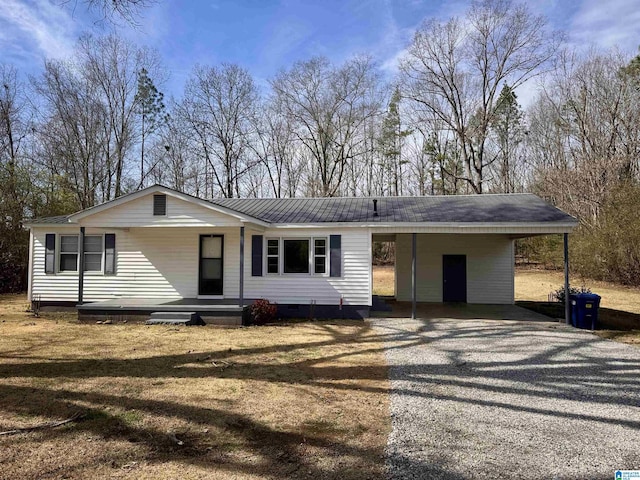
{"points": [[15, 178], [584, 135], [113, 66], [328, 106], [274, 147], [455, 70], [72, 133], [219, 105]]}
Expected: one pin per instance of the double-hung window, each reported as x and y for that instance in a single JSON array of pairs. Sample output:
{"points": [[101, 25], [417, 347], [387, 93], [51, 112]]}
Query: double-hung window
{"points": [[297, 255], [93, 253], [68, 253], [273, 255], [320, 255]]}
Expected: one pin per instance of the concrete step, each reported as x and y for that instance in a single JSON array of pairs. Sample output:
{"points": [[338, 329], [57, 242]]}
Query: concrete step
{"points": [[228, 321], [175, 318]]}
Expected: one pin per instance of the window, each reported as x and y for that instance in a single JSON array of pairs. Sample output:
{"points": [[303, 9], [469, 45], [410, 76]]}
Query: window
{"points": [[93, 253], [296, 256], [320, 255], [68, 253], [159, 205], [273, 255]]}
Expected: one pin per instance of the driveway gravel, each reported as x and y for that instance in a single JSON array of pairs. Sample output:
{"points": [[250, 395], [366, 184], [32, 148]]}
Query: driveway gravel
{"points": [[478, 397]]}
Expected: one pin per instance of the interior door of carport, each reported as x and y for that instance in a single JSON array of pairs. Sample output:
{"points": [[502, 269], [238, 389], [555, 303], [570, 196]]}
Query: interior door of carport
{"points": [[454, 278]]}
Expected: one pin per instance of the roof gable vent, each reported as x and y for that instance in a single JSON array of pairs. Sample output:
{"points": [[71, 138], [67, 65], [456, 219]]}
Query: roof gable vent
{"points": [[159, 205]]}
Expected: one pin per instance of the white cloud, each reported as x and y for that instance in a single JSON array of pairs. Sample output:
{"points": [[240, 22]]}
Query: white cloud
{"points": [[396, 39], [606, 24], [36, 28]]}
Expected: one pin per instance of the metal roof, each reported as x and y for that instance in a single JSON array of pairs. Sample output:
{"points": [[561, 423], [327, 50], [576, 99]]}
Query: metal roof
{"points": [[58, 220], [487, 208], [469, 209]]}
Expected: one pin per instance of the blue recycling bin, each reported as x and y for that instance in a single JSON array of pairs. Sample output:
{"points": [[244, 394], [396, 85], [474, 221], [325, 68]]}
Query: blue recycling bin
{"points": [[584, 310]]}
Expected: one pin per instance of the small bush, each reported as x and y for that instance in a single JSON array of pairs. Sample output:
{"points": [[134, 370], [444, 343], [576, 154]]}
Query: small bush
{"points": [[559, 293], [262, 311]]}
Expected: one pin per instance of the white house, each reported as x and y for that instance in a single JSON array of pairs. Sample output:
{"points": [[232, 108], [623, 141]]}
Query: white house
{"points": [[159, 249]]}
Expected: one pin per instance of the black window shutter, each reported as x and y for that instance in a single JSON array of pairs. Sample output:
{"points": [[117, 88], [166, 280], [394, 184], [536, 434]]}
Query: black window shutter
{"points": [[256, 255], [50, 253], [110, 253], [160, 204], [335, 259]]}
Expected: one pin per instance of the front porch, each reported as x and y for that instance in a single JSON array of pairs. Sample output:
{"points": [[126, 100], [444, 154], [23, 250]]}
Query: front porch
{"points": [[227, 312]]}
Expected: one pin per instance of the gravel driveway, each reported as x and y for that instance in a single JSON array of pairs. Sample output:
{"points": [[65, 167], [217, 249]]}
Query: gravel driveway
{"points": [[482, 398]]}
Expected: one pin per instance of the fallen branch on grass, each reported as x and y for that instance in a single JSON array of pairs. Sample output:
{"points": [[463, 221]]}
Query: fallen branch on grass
{"points": [[72, 418]]}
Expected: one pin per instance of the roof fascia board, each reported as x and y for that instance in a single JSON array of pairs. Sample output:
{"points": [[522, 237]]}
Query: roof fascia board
{"points": [[437, 225]]}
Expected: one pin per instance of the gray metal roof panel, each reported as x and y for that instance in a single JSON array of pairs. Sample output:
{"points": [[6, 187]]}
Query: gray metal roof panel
{"points": [[59, 219], [510, 208]]}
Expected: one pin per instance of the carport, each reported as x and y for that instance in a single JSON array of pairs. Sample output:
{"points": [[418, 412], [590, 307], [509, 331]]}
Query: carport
{"points": [[465, 252]]}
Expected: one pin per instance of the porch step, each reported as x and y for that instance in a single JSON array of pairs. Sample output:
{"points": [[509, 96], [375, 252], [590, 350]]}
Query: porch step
{"points": [[175, 318]]}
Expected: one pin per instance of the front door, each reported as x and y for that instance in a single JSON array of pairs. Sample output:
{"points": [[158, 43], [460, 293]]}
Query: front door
{"points": [[210, 271], [454, 278]]}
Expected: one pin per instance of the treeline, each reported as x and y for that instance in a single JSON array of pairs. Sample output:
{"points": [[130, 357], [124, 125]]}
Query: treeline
{"points": [[95, 126]]}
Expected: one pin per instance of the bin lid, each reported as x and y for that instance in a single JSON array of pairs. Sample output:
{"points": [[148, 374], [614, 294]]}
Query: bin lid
{"points": [[588, 296]]}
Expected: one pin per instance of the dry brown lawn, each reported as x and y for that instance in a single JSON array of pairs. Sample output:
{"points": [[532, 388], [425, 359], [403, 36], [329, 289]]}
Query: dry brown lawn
{"points": [[384, 280], [618, 302], [535, 285], [307, 400]]}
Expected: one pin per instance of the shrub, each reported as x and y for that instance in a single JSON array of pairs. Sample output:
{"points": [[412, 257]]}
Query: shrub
{"points": [[262, 311], [559, 293]]}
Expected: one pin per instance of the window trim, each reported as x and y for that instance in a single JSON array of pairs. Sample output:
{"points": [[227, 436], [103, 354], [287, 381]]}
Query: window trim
{"points": [[325, 255], [59, 253], [84, 252], [267, 256], [311, 240]]}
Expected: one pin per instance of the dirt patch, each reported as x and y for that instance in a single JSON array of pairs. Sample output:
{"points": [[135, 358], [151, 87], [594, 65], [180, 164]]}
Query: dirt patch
{"points": [[306, 400]]}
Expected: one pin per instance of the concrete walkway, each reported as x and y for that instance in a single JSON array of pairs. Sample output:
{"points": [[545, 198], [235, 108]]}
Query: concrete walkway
{"points": [[489, 398]]}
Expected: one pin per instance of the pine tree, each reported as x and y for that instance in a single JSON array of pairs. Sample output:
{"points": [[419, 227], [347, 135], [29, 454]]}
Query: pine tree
{"points": [[391, 139], [150, 106], [507, 126]]}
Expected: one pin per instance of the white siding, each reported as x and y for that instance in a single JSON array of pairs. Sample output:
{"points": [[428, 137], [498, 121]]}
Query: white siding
{"points": [[163, 262], [149, 263], [353, 285], [489, 266], [139, 213]]}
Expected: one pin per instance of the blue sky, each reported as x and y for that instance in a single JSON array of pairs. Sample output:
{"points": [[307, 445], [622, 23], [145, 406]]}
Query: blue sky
{"points": [[266, 35]]}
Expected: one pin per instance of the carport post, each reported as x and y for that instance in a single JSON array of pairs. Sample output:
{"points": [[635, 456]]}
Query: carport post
{"points": [[413, 275], [567, 304]]}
